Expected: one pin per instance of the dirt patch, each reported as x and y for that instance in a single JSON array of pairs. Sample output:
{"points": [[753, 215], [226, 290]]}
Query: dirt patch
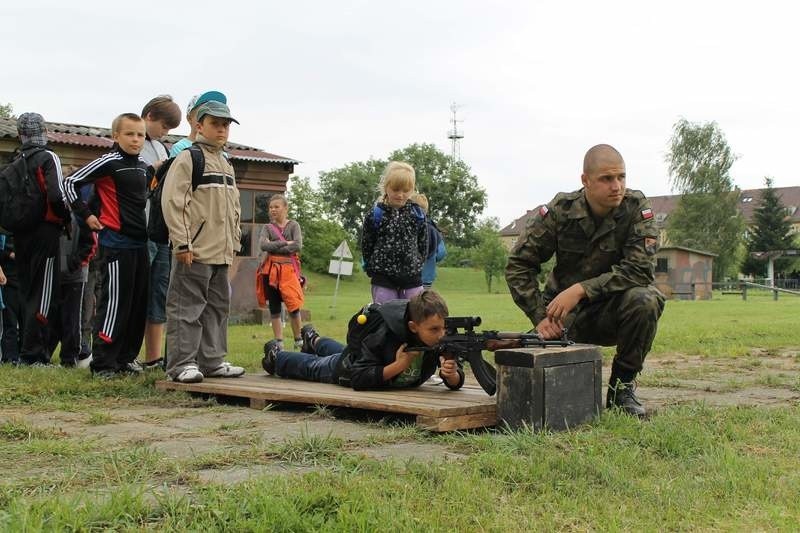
{"points": [[762, 378]]}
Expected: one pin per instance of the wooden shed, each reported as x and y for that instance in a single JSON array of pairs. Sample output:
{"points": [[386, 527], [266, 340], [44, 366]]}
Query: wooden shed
{"points": [[684, 273]]}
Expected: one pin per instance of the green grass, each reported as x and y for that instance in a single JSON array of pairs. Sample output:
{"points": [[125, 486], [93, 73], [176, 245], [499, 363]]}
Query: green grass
{"points": [[693, 467]]}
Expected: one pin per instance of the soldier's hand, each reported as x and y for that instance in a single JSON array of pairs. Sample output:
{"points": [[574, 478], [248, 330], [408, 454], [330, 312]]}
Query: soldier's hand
{"points": [[548, 329], [564, 302]]}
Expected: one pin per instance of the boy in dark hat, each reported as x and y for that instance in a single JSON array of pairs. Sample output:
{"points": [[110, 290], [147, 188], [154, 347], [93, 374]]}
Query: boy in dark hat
{"points": [[37, 249]]}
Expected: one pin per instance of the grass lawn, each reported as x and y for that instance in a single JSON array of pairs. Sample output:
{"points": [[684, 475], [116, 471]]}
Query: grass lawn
{"points": [[689, 467]]}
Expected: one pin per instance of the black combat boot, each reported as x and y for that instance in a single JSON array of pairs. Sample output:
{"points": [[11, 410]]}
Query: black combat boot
{"points": [[622, 395]]}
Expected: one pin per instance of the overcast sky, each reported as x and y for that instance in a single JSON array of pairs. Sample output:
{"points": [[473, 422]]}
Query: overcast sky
{"points": [[329, 83]]}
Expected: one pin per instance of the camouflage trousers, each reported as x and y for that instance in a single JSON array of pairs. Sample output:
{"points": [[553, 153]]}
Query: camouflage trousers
{"points": [[627, 320]]}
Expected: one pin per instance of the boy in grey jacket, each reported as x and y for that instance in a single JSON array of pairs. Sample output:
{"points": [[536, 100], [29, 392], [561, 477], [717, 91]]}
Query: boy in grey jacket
{"points": [[203, 224]]}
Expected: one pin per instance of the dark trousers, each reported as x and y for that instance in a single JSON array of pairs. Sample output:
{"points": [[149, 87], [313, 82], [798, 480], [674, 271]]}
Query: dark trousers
{"points": [[90, 297], [627, 319], [121, 308], [37, 256], [12, 325], [320, 367], [65, 326]]}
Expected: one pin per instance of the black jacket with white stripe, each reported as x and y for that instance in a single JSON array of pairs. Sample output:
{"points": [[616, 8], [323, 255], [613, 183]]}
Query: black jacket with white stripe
{"points": [[120, 181]]}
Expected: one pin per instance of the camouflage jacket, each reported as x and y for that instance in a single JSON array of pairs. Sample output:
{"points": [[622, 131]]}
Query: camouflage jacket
{"points": [[617, 255]]}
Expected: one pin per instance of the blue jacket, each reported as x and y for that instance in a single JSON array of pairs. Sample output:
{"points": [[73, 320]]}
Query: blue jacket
{"points": [[436, 252]]}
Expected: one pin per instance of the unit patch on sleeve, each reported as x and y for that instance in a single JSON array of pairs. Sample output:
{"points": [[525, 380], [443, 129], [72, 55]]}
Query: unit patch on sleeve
{"points": [[543, 211], [647, 213], [650, 245]]}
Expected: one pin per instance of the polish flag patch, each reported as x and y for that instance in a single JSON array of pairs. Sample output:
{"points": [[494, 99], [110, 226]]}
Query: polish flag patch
{"points": [[543, 211], [647, 213]]}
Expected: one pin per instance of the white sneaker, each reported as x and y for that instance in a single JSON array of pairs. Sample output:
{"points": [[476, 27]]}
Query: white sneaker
{"points": [[225, 370], [190, 374], [85, 362]]}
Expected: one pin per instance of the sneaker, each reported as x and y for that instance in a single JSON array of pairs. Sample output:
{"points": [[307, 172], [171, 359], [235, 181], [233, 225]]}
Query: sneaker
{"points": [[155, 364], [189, 374], [623, 397], [271, 350], [434, 380], [225, 370], [84, 362], [309, 336], [133, 368]]}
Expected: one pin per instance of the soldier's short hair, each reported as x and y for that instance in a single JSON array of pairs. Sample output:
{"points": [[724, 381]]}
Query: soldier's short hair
{"points": [[596, 153]]}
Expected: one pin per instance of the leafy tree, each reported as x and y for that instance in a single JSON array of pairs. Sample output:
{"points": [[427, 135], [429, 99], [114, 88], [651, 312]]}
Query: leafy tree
{"points": [[6, 110], [490, 254], [771, 232], [348, 192], [455, 198], [707, 215], [320, 236]]}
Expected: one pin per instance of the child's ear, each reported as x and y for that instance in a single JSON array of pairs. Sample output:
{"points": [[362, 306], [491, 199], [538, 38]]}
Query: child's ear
{"points": [[413, 327]]}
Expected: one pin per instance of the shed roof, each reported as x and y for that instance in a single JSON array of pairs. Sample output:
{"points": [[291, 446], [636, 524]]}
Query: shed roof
{"points": [[81, 135]]}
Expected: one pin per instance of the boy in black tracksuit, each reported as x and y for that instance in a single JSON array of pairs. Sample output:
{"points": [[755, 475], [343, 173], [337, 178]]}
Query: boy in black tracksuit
{"points": [[379, 361], [120, 179], [37, 249]]}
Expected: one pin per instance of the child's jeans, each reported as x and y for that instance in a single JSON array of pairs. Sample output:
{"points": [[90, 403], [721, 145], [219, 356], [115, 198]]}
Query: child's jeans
{"points": [[320, 367]]}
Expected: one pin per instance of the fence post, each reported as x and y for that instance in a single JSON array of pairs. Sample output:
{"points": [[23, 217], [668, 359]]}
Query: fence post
{"points": [[744, 291], [693, 294], [775, 294]]}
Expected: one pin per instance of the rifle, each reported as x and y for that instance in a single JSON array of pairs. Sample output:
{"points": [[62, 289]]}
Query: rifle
{"points": [[469, 344]]}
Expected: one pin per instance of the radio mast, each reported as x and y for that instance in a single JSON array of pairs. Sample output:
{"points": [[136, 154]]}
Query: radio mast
{"points": [[455, 135]]}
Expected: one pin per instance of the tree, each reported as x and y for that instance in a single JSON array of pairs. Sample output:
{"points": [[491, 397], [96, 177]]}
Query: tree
{"points": [[348, 193], [770, 232], [707, 216], [489, 255], [456, 199], [6, 110], [320, 235]]}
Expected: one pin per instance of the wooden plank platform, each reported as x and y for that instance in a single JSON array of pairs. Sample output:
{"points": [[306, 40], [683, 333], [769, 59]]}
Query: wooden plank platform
{"points": [[436, 407]]}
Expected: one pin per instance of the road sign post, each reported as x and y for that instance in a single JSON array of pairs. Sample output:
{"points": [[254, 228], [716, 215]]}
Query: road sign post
{"points": [[340, 267]]}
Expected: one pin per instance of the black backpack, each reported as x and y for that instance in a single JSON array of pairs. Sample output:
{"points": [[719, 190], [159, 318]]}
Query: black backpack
{"points": [[356, 332], [156, 225], [23, 203]]}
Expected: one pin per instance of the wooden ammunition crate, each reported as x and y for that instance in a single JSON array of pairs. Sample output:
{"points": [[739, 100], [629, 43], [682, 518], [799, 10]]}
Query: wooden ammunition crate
{"points": [[554, 387]]}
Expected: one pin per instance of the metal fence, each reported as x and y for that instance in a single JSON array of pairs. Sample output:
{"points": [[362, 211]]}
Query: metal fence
{"points": [[688, 291]]}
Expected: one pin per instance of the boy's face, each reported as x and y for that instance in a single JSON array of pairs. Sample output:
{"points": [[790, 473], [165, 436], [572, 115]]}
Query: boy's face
{"points": [[215, 129], [130, 136], [156, 128], [429, 331], [397, 197]]}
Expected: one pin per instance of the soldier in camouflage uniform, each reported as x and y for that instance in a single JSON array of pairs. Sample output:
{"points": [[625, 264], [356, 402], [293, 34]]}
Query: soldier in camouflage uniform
{"points": [[604, 239]]}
